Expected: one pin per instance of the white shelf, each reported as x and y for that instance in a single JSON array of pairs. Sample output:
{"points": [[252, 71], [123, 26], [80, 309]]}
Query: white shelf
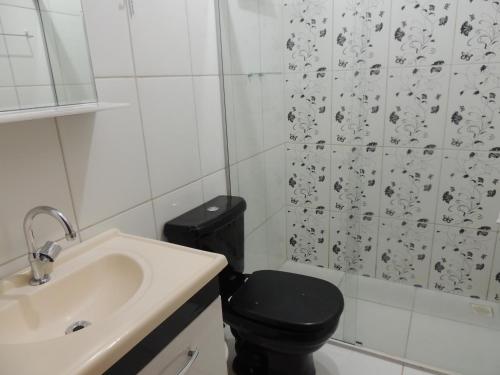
{"points": [[49, 112]]}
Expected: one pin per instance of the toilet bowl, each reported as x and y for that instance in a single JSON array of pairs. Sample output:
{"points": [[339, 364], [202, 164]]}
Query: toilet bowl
{"points": [[278, 319]]}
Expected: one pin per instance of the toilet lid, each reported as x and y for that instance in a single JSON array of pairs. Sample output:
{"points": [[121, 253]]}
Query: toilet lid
{"points": [[288, 300]]}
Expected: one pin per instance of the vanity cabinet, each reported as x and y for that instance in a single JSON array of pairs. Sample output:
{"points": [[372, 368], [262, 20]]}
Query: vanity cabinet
{"points": [[198, 350], [189, 342]]}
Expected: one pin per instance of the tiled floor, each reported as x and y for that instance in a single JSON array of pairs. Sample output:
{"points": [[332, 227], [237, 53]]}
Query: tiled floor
{"points": [[435, 329], [337, 360]]}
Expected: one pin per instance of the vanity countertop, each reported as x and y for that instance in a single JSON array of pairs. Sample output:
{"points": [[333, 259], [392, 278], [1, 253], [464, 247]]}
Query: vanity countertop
{"points": [[124, 285]]}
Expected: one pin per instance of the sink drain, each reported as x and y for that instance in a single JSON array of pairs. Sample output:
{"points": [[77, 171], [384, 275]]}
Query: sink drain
{"points": [[77, 326]]}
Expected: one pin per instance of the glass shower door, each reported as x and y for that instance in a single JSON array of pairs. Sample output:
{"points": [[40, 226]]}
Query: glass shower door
{"points": [[368, 156], [278, 105]]}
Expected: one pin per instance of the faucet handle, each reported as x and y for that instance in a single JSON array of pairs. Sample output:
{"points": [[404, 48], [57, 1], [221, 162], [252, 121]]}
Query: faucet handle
{"points": [[49, 252]]}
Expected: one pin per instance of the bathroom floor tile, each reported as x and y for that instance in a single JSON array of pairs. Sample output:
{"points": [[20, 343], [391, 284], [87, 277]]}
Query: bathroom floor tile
{"points": [[412, 371], [454, 346], [380, 291], [455, 307], [335, 360], [379, 327]]}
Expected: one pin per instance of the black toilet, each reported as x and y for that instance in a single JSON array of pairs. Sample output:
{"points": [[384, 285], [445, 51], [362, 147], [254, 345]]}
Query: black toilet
{"points": [[279, 319]]}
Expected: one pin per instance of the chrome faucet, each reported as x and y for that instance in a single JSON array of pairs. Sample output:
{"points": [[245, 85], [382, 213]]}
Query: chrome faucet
{"points": [[39, 258]]}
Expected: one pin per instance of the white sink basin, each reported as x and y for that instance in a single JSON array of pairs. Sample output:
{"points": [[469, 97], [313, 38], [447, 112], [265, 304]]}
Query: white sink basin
{"points": [[92, 293], [124, 286]]}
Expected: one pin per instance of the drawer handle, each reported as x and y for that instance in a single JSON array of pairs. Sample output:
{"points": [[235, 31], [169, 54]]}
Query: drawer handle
{"points": [[192, 355]]}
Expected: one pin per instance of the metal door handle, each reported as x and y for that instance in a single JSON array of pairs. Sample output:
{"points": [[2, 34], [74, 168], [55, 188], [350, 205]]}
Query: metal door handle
{"points": [[192, 355]]}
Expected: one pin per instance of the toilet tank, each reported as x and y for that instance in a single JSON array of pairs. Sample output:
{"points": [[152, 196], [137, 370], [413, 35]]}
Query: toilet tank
{"points": [[216, 226]]}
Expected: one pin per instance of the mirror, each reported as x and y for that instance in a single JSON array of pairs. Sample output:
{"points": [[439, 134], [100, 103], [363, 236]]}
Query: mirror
{"points": [[44, 57]]}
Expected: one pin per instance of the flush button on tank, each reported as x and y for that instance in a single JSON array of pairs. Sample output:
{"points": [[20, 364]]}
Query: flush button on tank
{"points": [[213, 209]]}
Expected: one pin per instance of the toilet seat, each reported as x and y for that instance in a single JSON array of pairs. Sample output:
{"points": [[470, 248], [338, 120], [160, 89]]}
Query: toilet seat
{"points": [[289, 302]]}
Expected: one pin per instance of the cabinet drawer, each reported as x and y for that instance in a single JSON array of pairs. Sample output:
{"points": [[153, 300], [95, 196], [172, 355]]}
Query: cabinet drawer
{"points": [[199, 348]]}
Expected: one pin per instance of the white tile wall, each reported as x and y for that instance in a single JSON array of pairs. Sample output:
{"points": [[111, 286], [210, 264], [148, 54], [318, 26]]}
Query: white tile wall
{"points": [[276, 239], [33, 173], [273, 110], [275, 179], [209, 117], [251, 174], [202, 36], [169, 119], [271, 35], [214, 185], [256, 257], [176, 203], [132, 168], [105, 156], [109, 37], [160, 38], [138, 221], [240, 25], [245, 127]]}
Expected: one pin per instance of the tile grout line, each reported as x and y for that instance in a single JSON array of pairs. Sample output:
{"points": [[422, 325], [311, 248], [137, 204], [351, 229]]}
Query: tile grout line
{"points": [[442, 151], [150, 200], [391, 146], [331, 132], [286, 130]]}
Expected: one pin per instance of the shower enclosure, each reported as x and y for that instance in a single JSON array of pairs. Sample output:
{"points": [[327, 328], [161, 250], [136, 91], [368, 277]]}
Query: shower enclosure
{"points": [[365, 137]]}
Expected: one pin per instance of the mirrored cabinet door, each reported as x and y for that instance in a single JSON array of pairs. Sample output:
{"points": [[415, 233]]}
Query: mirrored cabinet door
{"points": [[44, 58], [25, 75]]}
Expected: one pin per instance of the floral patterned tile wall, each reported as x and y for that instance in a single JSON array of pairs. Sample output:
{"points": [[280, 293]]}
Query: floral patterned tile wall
{"points": [[393, 140]]}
